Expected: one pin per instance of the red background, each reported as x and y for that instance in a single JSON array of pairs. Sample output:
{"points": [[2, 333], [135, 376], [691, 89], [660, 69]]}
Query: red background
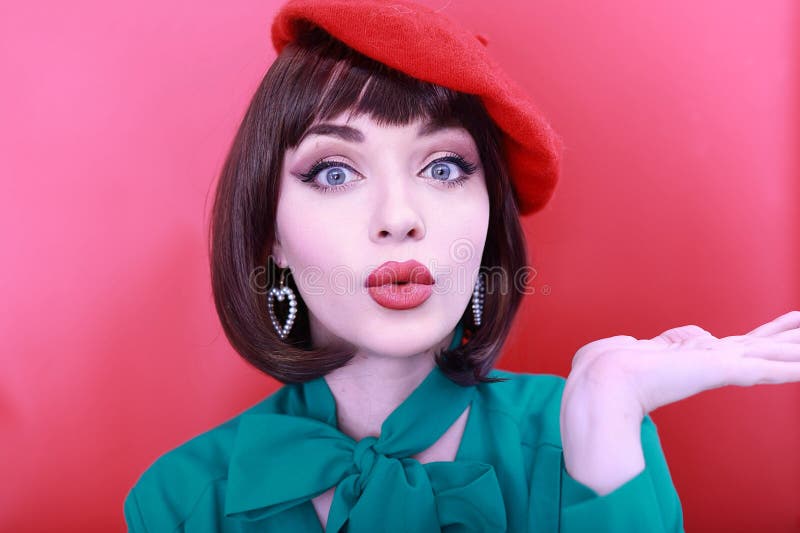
{"points": [[678, 204]]}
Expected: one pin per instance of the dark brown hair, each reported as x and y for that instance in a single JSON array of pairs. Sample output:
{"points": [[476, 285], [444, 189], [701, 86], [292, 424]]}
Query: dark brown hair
{"points": [[314, 79]]}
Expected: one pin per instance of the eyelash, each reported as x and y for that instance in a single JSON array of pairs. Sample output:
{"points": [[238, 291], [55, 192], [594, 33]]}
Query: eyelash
{"points": [[466, 167]]}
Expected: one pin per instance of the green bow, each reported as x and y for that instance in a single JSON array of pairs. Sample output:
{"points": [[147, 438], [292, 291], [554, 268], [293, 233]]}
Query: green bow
{"points": [[376, 490], [283, 460]]}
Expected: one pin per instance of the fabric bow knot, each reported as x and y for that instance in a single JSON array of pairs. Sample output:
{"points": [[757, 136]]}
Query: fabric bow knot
{"points": [[364, 457], [280, 461], [308, 457]]}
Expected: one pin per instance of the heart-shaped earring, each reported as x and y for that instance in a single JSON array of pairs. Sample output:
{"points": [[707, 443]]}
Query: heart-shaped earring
{"points": [[280, 293]]}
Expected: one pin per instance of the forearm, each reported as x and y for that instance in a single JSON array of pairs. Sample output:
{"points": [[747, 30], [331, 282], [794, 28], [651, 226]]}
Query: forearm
{"points": [[600, 434]]}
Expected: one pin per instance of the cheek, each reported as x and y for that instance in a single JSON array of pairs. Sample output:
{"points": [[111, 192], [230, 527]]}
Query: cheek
{"points": [[316, 239], [479, 221], [465, 225]]}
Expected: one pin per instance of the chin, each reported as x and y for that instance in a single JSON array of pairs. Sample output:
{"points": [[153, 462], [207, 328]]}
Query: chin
{"points": [[399, 344]]}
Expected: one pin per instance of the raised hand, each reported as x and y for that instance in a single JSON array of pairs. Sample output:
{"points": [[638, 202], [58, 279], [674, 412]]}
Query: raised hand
{"points": [[686, 360], [615, 382]]}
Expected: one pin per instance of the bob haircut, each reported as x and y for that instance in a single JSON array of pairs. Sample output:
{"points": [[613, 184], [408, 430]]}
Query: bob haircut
{"points": [[313, 79]]}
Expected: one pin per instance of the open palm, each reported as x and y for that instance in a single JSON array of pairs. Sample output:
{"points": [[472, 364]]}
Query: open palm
{"points": [[686, 360]]}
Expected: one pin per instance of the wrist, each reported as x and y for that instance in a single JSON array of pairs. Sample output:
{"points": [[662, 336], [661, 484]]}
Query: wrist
{"points": [[601, 434]]}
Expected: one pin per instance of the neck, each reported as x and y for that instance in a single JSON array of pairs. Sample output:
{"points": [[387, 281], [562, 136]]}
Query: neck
{"points": [[372, 385]]}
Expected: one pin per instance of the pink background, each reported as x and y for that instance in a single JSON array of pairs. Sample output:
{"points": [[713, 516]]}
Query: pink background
{"points": [[678, 204]]}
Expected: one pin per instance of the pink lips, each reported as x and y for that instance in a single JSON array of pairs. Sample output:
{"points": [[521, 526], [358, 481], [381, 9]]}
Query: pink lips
{"points": [[403, 285]]}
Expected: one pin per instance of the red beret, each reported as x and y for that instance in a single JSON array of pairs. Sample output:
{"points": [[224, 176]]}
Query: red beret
{"points": [[431, 47]]}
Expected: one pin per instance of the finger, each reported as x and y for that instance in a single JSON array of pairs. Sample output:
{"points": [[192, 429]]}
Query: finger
{"points": [[774, 351], [792, 335], [680, 334], [790, 320], [751, 371]]}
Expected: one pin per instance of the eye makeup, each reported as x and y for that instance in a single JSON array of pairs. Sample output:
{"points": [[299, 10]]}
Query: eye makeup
{"points": [[467, 168]]}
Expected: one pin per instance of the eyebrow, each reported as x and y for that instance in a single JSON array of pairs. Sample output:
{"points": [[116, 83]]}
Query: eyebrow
{"points": [[350, 134]]}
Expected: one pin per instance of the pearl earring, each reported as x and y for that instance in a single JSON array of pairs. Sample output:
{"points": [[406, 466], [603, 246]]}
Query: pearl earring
{"points": [[477, 300], [280, 293]]}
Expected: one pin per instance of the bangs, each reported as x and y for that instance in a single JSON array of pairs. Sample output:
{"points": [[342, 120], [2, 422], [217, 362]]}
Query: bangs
{"points": [[329, 78]]}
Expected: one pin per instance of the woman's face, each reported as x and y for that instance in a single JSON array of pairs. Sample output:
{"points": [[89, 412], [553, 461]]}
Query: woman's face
{"points": [[374, 194]]}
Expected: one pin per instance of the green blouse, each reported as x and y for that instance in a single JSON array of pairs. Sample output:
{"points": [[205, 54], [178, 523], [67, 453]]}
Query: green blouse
{"points": [[259, 470]]}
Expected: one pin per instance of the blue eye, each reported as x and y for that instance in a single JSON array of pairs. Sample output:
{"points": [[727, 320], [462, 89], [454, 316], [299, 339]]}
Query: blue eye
{"points": [[333, 174], [441, 169]]}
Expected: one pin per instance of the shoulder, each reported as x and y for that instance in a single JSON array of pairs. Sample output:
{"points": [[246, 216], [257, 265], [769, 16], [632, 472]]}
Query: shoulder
{"points": [[532, 400], [167, 490]]}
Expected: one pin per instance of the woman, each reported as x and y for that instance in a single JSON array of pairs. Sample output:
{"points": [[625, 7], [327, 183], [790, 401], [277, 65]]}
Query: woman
{"points": [[366, 252]]}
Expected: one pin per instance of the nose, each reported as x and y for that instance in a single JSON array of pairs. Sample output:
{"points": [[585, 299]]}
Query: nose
{"points": [[396, 216]]}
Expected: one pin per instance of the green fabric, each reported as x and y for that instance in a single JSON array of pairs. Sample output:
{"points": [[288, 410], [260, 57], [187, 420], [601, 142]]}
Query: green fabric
{"points": [[259, 470]]}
